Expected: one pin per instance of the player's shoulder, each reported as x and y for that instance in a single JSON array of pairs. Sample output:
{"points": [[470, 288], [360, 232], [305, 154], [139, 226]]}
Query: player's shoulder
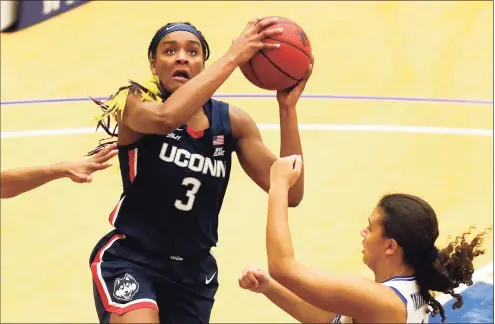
{"points": [[234, 111], [239, 115], [241, 121]]}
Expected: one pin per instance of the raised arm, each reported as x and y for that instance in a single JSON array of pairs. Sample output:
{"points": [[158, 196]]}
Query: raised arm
{"points": [[183, 103], [356, 297], [148, 117]]}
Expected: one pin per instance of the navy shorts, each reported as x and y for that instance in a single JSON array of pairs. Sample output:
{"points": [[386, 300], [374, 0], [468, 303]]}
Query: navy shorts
{"points": [[181, 289]]}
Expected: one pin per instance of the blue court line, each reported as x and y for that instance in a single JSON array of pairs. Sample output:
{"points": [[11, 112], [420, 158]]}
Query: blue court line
{"points": [[252, 96]]}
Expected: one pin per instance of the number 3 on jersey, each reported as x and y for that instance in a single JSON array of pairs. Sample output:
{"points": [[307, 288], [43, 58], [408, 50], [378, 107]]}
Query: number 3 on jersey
{"points": [[190, 194]]}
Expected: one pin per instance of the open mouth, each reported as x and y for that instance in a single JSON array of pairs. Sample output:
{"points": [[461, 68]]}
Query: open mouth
{"points": [[182, 75]]}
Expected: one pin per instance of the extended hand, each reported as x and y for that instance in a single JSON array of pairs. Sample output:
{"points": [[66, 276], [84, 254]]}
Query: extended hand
{"points": [[80, 171]]}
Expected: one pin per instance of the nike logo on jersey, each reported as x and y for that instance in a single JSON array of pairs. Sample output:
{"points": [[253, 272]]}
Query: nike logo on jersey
{"points": [[193, 161], [207, 281]]}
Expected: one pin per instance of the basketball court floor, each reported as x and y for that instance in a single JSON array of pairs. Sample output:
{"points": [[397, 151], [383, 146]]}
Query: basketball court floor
{"points": [[400, 100]]}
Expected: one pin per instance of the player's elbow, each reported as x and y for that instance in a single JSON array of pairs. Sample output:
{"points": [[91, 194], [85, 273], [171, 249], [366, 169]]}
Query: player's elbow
{"points": [[280, 271], [275, 271], [163, 122], [6, 196], [168, 121], [295, 199], [154, 123], [6, 193], [6, 186], [167, 124], [294, 202]]}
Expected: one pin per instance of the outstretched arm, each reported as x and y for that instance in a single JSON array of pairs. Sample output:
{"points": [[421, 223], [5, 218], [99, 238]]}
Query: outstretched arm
{"points": [[356, 297], [157, 117], [17, 181]]}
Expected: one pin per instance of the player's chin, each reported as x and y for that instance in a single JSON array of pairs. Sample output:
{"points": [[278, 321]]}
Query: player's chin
{"points": [[365, 258], [174, 84]]}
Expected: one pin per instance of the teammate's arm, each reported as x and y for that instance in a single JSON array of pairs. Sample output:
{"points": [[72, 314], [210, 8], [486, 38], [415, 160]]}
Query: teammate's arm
{"points": [[357, 297], [256, 158], [17, 181], [259, 282], [155, 117]]}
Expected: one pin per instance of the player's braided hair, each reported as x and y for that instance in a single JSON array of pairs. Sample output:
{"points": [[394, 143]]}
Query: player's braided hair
{"points": [[150, 90], [413, 224]]}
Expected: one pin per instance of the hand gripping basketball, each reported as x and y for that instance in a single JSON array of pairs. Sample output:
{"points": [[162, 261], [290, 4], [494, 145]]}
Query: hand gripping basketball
{"points": [[250, 40], [284, 67]]}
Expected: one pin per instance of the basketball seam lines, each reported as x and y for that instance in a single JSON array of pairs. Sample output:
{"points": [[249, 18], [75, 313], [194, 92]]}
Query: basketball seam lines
{"points": [[278, 68], [292, 45], [254, 72]]}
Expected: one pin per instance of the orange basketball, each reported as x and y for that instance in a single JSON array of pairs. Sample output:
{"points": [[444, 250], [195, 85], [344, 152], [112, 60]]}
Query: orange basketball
{"points": [[283, 67]]}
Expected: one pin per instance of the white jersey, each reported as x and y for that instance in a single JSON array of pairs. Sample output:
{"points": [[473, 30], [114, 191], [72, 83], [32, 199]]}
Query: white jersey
{"points": [[408, 291]]}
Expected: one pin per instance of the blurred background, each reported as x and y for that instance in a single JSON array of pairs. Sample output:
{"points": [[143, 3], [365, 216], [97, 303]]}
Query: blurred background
{"points": [[401, 99]]}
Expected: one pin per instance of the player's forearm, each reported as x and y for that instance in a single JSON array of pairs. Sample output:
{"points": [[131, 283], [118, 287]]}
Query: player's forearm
{"points": [[190, 97], [17, 181], [279, 247], [290, 144], [295, 306]]}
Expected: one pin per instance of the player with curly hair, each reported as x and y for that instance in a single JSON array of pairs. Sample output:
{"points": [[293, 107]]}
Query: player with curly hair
{"points": [[398, 246]]}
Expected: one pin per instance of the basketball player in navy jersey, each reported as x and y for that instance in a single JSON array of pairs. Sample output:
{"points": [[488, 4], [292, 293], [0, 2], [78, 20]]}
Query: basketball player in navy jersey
{"points": [[175, 145], [15, 182], [399, 247]]}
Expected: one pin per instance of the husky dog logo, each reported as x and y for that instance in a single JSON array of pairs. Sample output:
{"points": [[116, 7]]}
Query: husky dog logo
{"points": [[125, 288]]}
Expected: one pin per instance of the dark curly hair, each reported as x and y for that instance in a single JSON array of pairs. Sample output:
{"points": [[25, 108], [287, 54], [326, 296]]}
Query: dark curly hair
{"points": [[412, 222]]}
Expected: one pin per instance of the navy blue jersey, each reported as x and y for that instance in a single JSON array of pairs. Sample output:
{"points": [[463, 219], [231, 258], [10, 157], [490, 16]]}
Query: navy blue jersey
{"points": [[174, 186]]}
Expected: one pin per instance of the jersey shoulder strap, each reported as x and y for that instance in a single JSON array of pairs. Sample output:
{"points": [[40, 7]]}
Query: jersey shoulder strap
{"points": [[220, 120]]}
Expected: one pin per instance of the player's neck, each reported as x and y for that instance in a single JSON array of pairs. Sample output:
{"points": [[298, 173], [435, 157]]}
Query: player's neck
{"points": [[387, 270]]}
